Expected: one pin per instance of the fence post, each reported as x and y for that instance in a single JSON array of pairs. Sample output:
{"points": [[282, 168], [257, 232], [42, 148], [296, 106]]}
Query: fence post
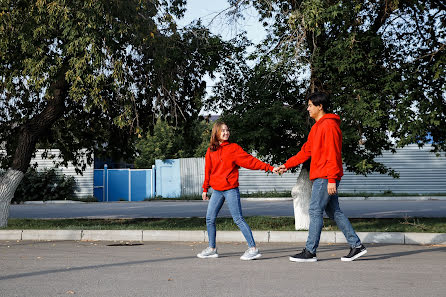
{"points": [[153, 182], [130, 184], [105, 192]]}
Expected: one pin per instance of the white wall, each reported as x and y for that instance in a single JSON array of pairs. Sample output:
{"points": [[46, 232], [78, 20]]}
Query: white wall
{"points": [[84, 182]]}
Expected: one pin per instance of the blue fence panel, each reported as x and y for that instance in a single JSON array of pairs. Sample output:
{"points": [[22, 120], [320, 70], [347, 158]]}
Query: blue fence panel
{"points": [[138, 184], [141, 184], [168, 181], [118, 185], [98, 182]]}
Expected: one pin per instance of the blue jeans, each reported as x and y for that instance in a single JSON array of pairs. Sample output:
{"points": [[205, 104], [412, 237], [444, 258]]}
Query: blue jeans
{"points": [[232, 196], [320, 201]]}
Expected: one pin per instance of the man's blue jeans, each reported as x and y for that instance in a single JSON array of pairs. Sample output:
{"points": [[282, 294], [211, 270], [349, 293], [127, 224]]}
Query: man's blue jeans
{"points": [[320, 201], [232, 196]]}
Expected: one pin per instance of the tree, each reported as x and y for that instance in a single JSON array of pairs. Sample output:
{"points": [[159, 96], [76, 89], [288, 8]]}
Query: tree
{"points": [[94, 74], [169, 142], [383, 62]]}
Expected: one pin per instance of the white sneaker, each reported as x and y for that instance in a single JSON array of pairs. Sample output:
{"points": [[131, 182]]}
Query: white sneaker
{"points": [[251, 254], [208, 253]]}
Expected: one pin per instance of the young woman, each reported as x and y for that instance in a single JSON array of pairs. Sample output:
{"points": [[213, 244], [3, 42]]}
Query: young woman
{"points": [[223, 159]]}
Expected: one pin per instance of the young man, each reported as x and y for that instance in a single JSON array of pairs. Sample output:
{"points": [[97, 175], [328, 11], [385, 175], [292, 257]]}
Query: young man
{"points": [[324, 146]]}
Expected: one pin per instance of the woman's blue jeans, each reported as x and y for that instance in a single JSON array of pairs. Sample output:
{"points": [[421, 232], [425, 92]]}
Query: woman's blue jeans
{"points": [[232, 196], [320, 202]]}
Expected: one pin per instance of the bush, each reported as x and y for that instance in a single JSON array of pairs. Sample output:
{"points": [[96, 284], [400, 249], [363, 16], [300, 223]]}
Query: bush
{"points": [[44, 185]]}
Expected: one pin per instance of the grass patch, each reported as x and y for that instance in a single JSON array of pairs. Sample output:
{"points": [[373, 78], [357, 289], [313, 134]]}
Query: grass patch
{"points": [[266, 194], [428, 225], [275, 194], [387, 194]]}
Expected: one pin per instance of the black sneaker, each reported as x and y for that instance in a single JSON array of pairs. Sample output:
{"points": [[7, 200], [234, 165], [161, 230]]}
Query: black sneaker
{"points": [[304, 256], [355, 253]]}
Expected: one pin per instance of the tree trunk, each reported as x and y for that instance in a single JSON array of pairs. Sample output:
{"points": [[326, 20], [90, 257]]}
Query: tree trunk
{"points": [[301, 194], [8, 184], [27, 138]]}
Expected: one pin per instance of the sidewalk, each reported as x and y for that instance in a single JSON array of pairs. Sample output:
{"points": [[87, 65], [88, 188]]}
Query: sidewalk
{"points": [[166, 269]]}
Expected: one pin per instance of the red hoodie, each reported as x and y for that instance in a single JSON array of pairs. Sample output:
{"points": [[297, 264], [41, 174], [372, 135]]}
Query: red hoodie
{"points": [[324, 146], [221, 167]]}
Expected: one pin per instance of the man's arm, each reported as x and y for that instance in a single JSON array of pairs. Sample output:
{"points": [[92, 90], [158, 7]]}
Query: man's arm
{"points": [[333, 147], [299, 158]]}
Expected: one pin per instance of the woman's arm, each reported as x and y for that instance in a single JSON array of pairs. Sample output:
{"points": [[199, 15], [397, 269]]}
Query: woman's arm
{"points": [[207, 171], [245, 160]]}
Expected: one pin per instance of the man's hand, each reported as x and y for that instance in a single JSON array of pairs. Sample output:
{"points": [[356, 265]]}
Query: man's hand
{"points": [[204, 196], [282, 169], [331, 188]]}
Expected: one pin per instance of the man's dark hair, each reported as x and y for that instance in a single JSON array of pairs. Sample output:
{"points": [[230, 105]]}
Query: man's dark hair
{"points": [[319, 98]]}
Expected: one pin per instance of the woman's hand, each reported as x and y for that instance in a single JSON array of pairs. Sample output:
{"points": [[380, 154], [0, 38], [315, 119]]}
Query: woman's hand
{"points": [[204, 196]]}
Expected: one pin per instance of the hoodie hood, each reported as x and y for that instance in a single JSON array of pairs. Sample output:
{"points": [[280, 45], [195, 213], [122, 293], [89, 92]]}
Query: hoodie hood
{"points": [[330, 117]]}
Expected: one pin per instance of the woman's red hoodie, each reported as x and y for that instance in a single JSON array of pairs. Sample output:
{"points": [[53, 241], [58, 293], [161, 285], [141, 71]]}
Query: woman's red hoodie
{"points": [[221, 167], [324, 146]]}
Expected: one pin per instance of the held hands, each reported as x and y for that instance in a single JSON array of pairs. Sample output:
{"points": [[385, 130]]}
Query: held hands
{"points": [[204, 196], [280, 169]]}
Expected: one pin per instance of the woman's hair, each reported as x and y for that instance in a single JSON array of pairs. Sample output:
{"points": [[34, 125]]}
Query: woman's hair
{"points": [[216, 131]]}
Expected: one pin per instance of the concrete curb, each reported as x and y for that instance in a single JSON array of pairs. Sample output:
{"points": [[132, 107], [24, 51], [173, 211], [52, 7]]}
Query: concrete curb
{"points": [[39, 235], [223, 236], [54, 202]]}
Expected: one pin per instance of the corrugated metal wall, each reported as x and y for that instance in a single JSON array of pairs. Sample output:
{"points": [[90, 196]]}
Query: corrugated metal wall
{"points": [[420, 172], [84, 183], [259, 181], [192, 176]]}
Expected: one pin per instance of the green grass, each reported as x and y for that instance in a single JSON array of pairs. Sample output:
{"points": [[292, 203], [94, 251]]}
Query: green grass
{"points": [[429, 225], [275, 194], [387, 194]]}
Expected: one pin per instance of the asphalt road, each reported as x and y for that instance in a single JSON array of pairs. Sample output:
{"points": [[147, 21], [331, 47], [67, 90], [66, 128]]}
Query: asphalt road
{"points": [[172, 209], [161, 269]]}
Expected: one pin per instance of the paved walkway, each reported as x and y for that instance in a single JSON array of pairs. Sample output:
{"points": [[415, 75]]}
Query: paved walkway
{"points": [[93, 269]]}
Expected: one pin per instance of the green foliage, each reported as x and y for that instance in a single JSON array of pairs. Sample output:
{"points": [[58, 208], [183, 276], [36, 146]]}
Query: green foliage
{"points": [[44, 185], [264, 109], [120, 65], [161, 145], [168, 142], [383, 64]]}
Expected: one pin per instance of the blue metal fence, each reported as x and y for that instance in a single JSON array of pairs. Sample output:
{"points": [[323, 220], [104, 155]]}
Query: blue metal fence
{"points": [[123, 184], [168, 180]]}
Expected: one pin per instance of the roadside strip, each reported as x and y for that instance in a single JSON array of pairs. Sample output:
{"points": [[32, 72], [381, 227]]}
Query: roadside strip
{"points": [[224, 236]]}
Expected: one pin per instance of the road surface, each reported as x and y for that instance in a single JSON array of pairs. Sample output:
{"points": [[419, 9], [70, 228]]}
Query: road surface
{"points": [[173, 209]]}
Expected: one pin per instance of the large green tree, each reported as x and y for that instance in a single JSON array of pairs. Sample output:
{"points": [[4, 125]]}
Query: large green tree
{"points": [[170, 142], [94, 74], [382, 62]]}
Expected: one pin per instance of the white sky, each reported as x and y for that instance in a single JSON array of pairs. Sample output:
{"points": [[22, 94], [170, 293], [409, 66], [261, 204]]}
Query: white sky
{"points": [[213, 16], [210, 12]]}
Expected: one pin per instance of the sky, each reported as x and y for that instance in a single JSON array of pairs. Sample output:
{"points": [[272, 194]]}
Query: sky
{"points": [[212, 15], [210, 12]]}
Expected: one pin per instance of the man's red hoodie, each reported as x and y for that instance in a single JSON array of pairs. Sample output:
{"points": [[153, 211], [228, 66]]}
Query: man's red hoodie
{"points": [[324, 146], [221, 167]]}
